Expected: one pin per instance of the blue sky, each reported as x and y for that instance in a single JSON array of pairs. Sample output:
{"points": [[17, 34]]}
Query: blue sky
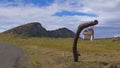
{"points": [[54, 14], [73, 13]]}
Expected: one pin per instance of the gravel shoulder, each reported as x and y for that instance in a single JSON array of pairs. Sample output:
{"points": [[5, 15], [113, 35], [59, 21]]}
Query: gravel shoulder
{"points": [[9, 55]]}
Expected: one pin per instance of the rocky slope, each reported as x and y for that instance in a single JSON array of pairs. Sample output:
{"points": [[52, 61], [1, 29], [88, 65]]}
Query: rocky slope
{"points": [[35, 29], [61, 32]]}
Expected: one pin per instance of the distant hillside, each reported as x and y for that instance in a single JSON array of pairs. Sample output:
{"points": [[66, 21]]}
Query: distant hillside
{"points": [[35, 29], [62, 32]]}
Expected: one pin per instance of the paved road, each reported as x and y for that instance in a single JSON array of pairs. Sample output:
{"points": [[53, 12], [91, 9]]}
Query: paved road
{"points": [[9, 55]]}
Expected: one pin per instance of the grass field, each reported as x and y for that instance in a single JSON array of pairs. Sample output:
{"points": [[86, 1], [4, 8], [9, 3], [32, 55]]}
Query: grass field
{"points": [[57, 52]]}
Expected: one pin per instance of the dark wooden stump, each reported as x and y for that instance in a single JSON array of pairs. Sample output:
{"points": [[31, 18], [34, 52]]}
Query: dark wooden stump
{"points": [[80, 28]]}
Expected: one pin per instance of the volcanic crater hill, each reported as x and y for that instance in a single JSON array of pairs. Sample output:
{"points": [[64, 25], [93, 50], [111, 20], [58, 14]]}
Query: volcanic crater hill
{"points": [[35, 29], [61, 32]]}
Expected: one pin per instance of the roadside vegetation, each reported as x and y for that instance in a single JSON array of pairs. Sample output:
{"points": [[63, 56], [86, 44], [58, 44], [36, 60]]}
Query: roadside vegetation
{"points": [[57, 52]]}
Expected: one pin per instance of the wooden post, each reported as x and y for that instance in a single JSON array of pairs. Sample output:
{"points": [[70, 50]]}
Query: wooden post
{"points": [[80, 28]]}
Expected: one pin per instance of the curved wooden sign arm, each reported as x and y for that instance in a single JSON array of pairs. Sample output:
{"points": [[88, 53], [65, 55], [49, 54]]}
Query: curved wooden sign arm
{"points": [[80, 28]]}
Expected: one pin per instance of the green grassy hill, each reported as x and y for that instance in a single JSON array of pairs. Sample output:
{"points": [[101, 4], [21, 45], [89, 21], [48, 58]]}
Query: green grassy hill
{"points": [[57, 52]]}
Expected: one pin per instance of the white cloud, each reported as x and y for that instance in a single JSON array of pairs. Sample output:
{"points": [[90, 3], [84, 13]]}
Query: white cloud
{"points": [[116, 35], [11, 16], [24, 14]]}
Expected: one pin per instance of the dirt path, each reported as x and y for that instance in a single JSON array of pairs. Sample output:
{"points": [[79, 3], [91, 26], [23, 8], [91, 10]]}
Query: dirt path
{"points": [[9, 55]]}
